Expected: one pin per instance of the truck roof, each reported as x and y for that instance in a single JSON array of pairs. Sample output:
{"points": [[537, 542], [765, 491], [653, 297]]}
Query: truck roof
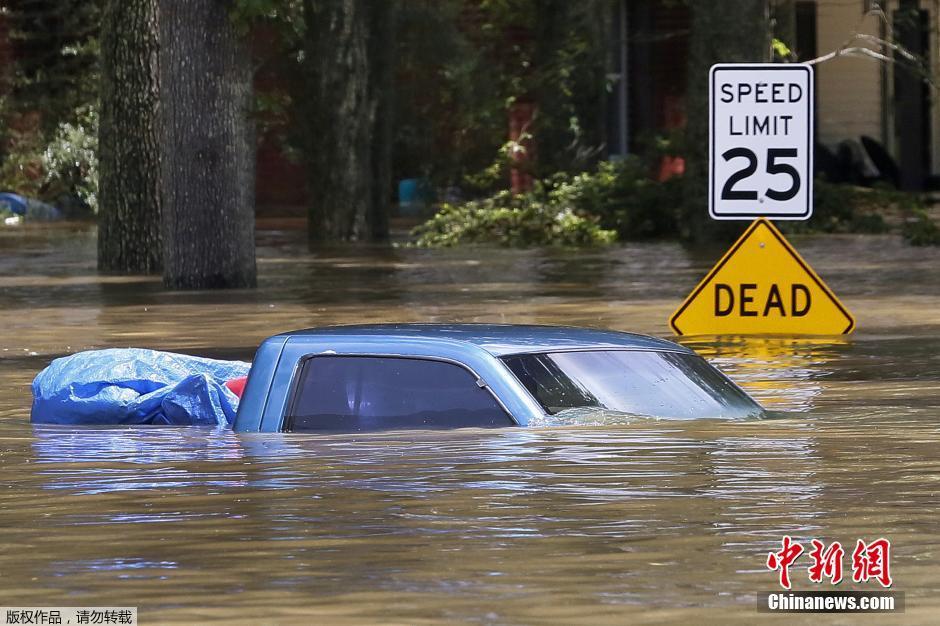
{"points": [[497, 339]]}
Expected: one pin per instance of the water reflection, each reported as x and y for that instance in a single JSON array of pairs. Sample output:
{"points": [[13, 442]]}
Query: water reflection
{"points": [[102, 460], [783, 374], [605, 515], [645, 520], [583, 464]]}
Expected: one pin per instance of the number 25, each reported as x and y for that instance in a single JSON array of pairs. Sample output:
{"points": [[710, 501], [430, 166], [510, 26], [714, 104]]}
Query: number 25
{"points": [[728, 192]]}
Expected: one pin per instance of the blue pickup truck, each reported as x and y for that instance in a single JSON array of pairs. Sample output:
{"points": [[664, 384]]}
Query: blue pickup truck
{"points": [[393, 376], [357, 378]]}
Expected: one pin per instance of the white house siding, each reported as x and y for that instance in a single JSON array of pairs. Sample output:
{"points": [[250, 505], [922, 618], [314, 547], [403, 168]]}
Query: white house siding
{"points": [[934, 7], [849, 89]]}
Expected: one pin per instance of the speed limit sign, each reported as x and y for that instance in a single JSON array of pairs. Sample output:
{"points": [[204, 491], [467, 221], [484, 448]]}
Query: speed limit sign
{"points": [[761, 141]]}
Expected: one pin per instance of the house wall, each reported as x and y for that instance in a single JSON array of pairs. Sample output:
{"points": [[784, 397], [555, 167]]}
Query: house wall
{"points": [[850, 92]]}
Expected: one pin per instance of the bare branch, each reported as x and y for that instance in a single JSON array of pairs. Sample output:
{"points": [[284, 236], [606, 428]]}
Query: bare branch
{"points": [[851, 47]]}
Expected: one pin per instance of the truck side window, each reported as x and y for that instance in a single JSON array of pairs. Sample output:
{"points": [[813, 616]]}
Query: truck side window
{"points": [[359, 393]]}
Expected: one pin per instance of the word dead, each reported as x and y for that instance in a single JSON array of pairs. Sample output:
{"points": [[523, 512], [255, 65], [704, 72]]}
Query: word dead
{"points": [[778, 301]]}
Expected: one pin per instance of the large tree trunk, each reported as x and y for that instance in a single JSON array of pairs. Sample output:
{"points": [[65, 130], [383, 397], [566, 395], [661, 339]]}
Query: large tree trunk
{"points": [[346, 108], [208, 148], [382, 48], [730, 31], [128, 140]]}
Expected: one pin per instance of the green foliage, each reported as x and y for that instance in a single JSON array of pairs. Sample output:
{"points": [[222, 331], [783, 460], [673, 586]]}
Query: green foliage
{"points": [[624, 199], [463, 65], [285, 17], [21, 167], [511, 220], [248, 12], [62, 172], [454, 84], [781, 49], [459, 67], [70, 164], [55, 68], [842, 208], [617, 200], [920, 230], [48, 122]]}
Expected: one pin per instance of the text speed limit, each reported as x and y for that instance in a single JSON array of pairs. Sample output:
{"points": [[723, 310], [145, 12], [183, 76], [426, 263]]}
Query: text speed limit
{"points": [[761, 141]]}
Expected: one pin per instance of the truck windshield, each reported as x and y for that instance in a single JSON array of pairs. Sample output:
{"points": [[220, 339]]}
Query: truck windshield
{"points": [[657, 384]]}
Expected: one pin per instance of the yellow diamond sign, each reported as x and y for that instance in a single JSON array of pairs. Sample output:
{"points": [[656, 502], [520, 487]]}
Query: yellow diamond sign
{"points": [[762, 286]]}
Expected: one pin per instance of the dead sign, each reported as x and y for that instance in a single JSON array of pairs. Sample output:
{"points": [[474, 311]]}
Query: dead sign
{"points": [[762, 286], [750, 300]]}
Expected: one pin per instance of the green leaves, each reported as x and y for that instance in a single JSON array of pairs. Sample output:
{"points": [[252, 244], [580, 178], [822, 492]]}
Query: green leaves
{"points": [[285, 16], [506, 220]]}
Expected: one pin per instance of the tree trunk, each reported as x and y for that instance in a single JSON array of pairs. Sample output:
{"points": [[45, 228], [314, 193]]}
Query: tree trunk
{"points": [[208, 148], [346, 112], [128, 140], [730, 31], [382, 49]]}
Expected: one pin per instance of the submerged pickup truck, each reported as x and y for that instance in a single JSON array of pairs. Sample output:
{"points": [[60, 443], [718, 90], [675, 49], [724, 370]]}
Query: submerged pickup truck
{"points": [[357, 378], [393, 376]]}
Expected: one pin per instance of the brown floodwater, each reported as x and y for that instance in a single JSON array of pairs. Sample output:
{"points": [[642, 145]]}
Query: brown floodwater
{"points": [[655, 521]]}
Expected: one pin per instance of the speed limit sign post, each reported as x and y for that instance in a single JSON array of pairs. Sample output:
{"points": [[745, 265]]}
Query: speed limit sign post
{"points": [[761, 136], [761, 169]]}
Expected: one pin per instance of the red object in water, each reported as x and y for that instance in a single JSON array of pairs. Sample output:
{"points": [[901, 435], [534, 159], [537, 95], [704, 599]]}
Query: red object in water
{"points": [[237, 385], [521, 117]]}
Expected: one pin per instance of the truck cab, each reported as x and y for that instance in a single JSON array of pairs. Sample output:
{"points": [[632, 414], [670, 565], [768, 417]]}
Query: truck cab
{"points": [[392, 376]]}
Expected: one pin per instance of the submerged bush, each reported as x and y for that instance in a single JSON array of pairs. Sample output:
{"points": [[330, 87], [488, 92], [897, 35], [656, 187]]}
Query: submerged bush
{"points": [[70, 164], [618, 200], [511, 220], [851, 209], [63, 171], [840, 208], [624, 198], [920, 230]]}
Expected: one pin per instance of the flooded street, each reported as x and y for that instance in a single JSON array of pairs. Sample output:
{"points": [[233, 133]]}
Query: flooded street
{"points": [[647, 522]]}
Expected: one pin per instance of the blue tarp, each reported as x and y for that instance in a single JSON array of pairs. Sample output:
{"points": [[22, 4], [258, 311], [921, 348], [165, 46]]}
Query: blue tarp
{"points": [[136, 386], [28, 208], [13, 202]]}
